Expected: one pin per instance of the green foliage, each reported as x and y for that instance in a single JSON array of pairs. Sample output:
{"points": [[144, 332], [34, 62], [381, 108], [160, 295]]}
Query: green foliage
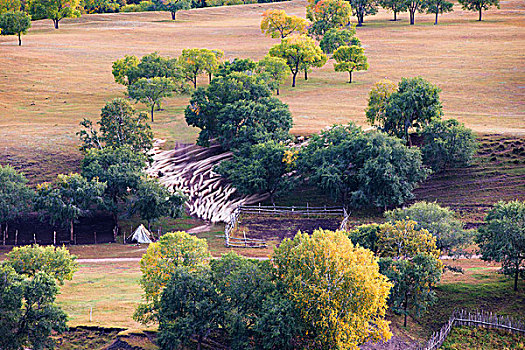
{"points": [[478, 5], [55, 10], [362, 169], [122, 68], [30, 260], [378, 99], [15, 196], [153, 200], [502, 239], [14, 23], [129, 69], [448, 144], [336, 37], [151, 91], [68, 198], [328, 14], [401, 239], [396, 6], [366, 236], [9, 6], [362, 8], [196, 61], [441, 222], [260, 169], [278, 24], [237, 109], [349, 59], [172, 250], [119, 126], [415, 104], [29, 313], [414, 6], [438, 6], [240, 65], [274, 70], [336, 287], [414, 280], [300, 53], [189, 306], [101, 6], [175, 5]]}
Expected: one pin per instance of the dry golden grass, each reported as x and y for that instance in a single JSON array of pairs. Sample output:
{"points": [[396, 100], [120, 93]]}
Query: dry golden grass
{"points": [[60, 76]]}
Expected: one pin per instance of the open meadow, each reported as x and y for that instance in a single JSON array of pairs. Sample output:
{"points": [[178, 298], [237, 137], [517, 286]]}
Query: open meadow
{"points": [[58, 77]]}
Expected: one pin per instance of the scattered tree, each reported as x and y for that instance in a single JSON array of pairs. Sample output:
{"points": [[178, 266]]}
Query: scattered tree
{"points": [[278, 24], [68, 198], [349, 59], [55, 10], [337, 37], [378, 99], [151, 91], [173, 250], [300, 53], [55, 262], [438, 6], [414, 6], [15, 196], [176, 5], [328, 14], [29, 313], [129, 69], [196, 61], [362, 8], [344, 281], [15, 23], [396, 6], [402, 240], [366, 236], [439, 221], [478, 5], [261, 169], [274, 70], [241, 65], [119, 126], [502, 239], [152, 200], [448, 144], [121, 69]]}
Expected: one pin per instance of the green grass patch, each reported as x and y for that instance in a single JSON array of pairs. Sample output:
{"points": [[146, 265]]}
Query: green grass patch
{"points": [[482, 339]]}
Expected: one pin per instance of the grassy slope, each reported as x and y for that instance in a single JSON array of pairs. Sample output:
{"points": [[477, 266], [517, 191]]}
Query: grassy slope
{"points": [[60, 76], [482, 339]]}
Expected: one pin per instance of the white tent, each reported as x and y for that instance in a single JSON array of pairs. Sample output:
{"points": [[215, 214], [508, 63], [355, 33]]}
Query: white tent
{"points": [[141, 235]]}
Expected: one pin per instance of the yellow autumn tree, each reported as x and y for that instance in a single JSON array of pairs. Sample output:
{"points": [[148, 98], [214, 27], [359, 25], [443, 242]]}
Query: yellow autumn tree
{"points": [[401, 239], [337, 288], [173, 250], [278, 24]]}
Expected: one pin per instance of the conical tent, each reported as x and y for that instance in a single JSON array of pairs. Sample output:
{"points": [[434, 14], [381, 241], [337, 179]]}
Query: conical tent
{"points": [[141, 235]]}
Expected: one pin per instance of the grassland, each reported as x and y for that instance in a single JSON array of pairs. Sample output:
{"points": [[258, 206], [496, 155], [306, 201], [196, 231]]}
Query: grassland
{"points": [[60, 76], [482, 339]]}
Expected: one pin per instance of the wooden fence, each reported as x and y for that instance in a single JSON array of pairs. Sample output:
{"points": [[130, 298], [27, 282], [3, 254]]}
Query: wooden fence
{"points": [[473, 319]]}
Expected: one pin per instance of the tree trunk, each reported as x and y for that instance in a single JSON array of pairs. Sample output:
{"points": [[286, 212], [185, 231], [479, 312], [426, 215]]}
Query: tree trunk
{"points": [[436, 22], [294, 75], [406, 310], [306, 74], [55, 22], [19, 39], [395, 16], [209, 77], [277, 91], [195, 81], [480, 14], [72, 236], [173, 14], [516, 275], [360, 19], [350, 81], [152, 108], [412, 17]]}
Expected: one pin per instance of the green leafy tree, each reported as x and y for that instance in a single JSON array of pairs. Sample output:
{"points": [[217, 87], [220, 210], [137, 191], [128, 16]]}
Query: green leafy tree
{"points": [[100, 6], [414, 6], [328, 14], [414, 281], [336, 288], [196, 61], [438, 6], [151, 91], [349, 59], [68, 198], [152, 200], [240, 65], [278, 24], [366, 236], [122, 67], [119, 126], [378, 99], [15, 196], [55, 262], [336, 37], [173, 250], [502, 239], [448, 144], [176, 5], [402, 239], [362, 169], [478, 5], [119, 168], [129, 69], [396, 6], [29, 313], [15, 23], [262, 169], [300, 53], [9, 6], [441, 222], [189, 306], [55, 10], [274, 70], [362, 8], [218, 110], [415, 104]]}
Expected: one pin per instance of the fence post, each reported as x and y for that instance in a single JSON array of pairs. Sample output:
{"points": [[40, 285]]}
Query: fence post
{"points": [[95, 236], [54, 237], [16, 237]]}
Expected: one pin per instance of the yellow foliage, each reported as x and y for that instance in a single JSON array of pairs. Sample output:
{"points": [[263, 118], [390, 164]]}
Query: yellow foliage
{"points": [[402, 240], [278, 24]]}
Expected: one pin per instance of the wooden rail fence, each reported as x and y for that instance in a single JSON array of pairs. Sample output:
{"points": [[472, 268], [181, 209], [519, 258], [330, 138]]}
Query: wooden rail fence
{"points": [[473, 319]]}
